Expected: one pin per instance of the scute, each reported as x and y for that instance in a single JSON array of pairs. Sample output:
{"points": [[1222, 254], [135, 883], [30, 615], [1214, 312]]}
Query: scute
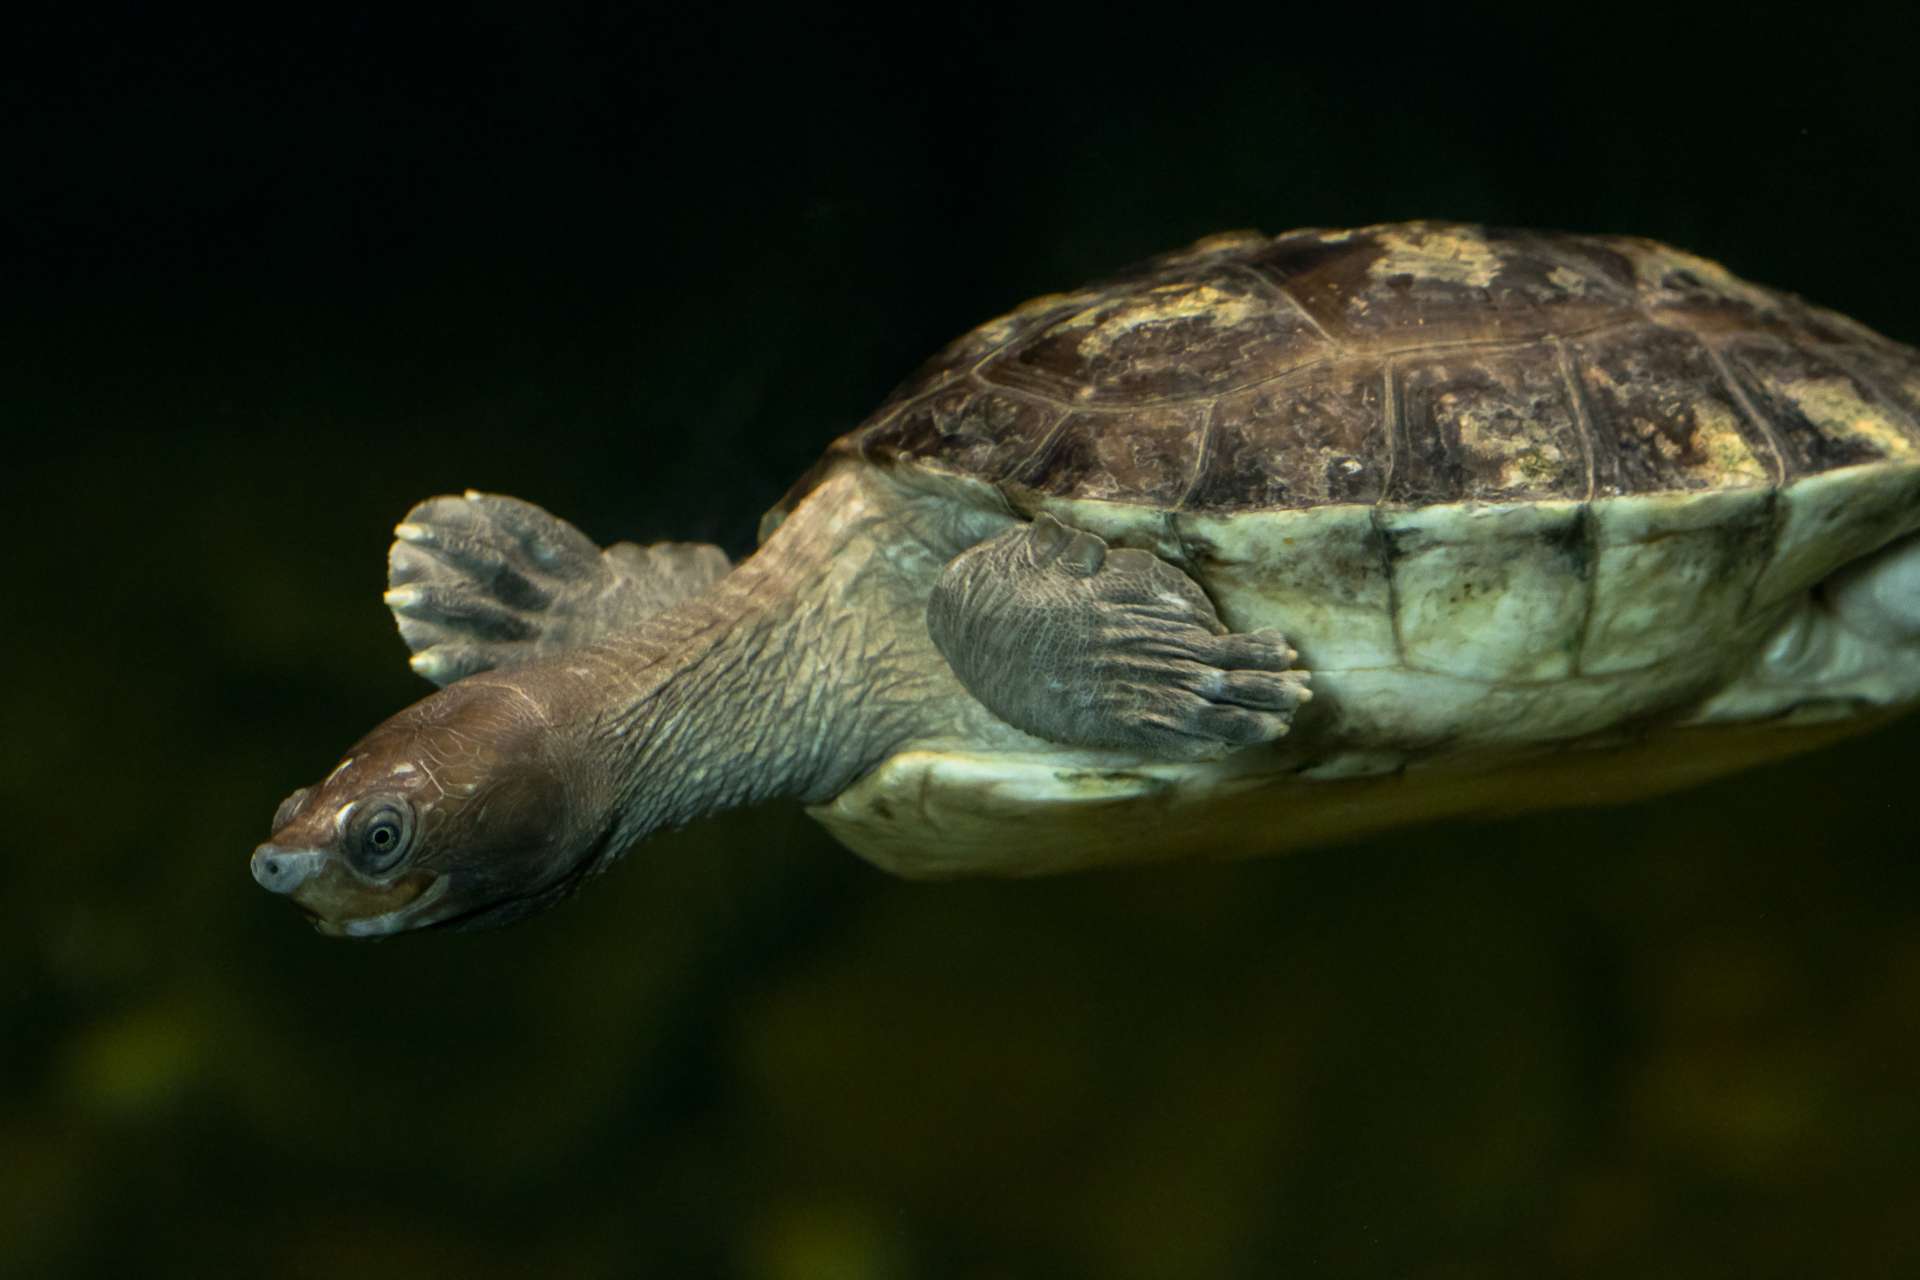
{"points": [[1498, 593], [1824, 415], [1669, 573], [1177, 340], [984, 433], [1296, 444], [1411, 285], [1410, 364], [1664, 420], [1489, 425], [1144, 456]]}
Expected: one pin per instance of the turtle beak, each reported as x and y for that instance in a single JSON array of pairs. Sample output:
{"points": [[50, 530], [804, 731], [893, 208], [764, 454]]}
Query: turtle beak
{"points": [[340, 903]]}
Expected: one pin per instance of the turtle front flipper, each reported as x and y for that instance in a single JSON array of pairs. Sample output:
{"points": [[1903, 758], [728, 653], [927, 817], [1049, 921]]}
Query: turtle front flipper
{"points": [[485, 581], [1069, 641]]}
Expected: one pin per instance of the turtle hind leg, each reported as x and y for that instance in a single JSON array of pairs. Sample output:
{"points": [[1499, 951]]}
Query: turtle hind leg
{"points": [[1071, 642], [485, 581]]}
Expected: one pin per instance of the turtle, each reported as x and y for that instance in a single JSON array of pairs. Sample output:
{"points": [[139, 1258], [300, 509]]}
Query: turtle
{"points": [[1268, 542]]}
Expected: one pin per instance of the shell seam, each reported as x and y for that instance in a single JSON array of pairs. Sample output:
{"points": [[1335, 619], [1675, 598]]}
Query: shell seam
{"points": [[1582, 424], [1397, 442], [1499, 346], [1871, 382], [1170, 517], [1552, 253], [1279, 288], [1060, 415], [1746, 405], [1590, 556], [1202, 456], [1376, 518], [1776, 525]]}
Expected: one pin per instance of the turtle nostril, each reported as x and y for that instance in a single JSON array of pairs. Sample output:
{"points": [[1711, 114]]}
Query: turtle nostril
{"points": [[279, 870]]}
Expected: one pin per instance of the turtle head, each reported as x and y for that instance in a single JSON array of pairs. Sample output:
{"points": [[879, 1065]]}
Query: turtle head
{"points": [[456, 812]]}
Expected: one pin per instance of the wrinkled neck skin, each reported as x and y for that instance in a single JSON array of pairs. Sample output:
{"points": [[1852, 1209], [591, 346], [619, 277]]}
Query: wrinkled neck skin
{"points": [[790, 677]]}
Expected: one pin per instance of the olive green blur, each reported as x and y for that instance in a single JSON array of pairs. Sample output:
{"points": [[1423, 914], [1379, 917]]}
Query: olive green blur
{"points": [[263, 288]]}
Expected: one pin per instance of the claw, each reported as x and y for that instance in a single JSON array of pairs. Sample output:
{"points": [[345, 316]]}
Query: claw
{"points": [[1084, 555], [1048, 538], [406, 562], [457, 604], [544, 553], [415, 533], [463, 554]]}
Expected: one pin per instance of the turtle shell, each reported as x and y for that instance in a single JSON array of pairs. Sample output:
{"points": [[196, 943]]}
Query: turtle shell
{"points": [[1484, 461], [1405, 364], [1507, 492]]}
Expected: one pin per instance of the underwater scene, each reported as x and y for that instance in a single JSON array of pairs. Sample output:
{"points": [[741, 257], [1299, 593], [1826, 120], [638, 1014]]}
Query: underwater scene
{"points": [[275, 286]]}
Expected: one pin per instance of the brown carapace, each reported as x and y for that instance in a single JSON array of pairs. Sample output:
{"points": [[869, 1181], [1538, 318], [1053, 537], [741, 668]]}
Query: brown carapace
{"points": [[1411, 364]]}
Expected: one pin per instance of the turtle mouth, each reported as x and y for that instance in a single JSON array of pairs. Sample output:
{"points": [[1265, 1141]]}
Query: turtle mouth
{"points": [[340, 904], [415, 914]]}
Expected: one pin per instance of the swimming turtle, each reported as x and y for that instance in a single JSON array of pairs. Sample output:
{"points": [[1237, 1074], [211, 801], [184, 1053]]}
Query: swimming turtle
{"points": [[1549, 518]]}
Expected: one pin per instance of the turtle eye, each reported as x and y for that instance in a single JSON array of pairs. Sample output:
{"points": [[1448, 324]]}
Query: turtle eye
{"points": [[378, 835], [288, 807]]}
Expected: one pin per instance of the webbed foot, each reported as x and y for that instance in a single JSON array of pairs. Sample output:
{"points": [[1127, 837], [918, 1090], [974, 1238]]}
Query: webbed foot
{"points": [[485, 581], [1071, 641]]}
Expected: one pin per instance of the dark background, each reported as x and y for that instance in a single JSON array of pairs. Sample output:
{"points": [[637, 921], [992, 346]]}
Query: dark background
{"points": [[263, 284]]}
